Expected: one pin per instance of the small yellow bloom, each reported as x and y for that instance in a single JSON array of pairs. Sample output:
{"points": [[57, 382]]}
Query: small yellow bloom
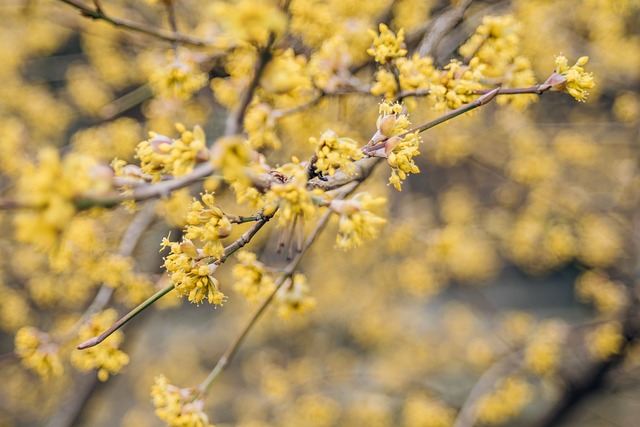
{"points": [[293, 297], [387, 45], [576, 81], [38, 352], [107, 357], [178, 407]]}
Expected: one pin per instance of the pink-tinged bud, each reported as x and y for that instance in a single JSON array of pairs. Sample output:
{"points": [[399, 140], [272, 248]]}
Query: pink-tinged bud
{"points": [[161, 144], [225, 229], [132, 171], [202, 156], [391, 144], [103, 179], [188, 248], [387, 125], [101, 172], [345, 207], [557, 82]]}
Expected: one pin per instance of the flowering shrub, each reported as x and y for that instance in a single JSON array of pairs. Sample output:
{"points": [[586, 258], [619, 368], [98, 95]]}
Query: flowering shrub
{"points": [[347, 159]]}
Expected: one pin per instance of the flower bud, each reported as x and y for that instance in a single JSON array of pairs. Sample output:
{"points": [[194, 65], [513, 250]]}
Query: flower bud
{"points": [[345, 207], [387, 125], [188, 248]]}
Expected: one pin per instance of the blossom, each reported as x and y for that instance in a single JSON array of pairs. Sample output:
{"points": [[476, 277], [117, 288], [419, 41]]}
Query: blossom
{"points": [[605, 341], [357, 222], [335, 153], [293, 297], [387, 45], [190, 274], [253, 280], [292, 195], [162, 155], [574, 80], [178, 407], [107, 357], [207, 223], [38, 352], [181, 78]]}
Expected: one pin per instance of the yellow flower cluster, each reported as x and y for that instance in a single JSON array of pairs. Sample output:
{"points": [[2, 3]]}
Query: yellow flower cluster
{"points": [[261, 127], [496, 43], [387, 45], [601, 241], [38, 352], [505, 402], [250, 20], [190, 274], [231, 155], [180, 79], [607, 296], [107, 357], [414, 73], [576, 81], [252, 279], [239, 64], [294, 200], [50, 188], [335, 153], [543, 350], [605, 341], [178, 407], [399, 151], [162, 155], [357, 222], [286, 73], [207, 223], [420, 410], [456, 84], [329, 65], [294, 298]]}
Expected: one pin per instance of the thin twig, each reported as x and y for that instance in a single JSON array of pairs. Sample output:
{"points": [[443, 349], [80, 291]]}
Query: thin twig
{"points": [[288, 271], [242, 241], [98, 13], [440, 27], [235, 120]]}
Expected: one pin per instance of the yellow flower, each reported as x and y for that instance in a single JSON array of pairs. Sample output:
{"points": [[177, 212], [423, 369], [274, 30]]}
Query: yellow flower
{"points": [[293, 297], [543, 351], [38, 352], [357, 222], [609, 297], [505, 402], [178, 407], [575, 80], [399, 151], [107, 358], [250, 20], [605, 341], [387, 45], [207, 223], [162, 155], [335, 153], [253, 281], [292, 195], [180, 79], [190, 274]]}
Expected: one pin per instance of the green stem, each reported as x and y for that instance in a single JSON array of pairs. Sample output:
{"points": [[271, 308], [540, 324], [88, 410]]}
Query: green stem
{"points": [[120, 323]]}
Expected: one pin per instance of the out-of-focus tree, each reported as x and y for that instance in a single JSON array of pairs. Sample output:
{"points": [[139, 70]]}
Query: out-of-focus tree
{"points": [[384, 213]]}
